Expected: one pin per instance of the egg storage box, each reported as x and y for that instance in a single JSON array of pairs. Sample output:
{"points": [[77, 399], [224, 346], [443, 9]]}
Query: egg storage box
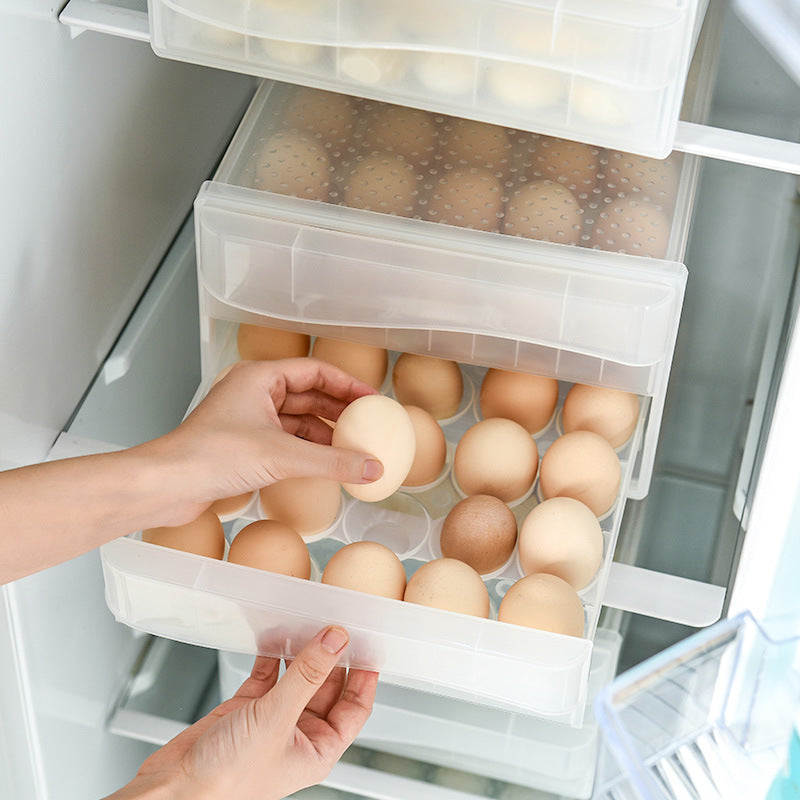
{"points": [[407, 220], [610, 72]]}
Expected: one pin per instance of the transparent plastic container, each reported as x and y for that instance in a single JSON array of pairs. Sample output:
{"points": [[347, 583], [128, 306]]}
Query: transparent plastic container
{"points": [[611, 73], [710, 717], [422, 262]]}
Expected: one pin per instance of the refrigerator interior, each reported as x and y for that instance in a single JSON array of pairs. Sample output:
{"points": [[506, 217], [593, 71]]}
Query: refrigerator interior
{"points": [[741, 258]]}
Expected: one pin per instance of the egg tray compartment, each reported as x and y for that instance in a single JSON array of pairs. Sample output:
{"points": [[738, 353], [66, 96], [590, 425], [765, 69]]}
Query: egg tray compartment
{"points": [[607, 74], [232, 607]]}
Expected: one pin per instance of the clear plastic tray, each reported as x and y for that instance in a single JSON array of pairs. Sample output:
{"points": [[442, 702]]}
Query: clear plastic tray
{"points": [[571, 312], [609, 72], [232, 607], [709, 718]]}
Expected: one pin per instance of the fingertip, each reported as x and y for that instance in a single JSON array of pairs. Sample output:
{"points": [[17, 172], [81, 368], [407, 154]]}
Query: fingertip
{"points": [[372, 471], [334, 639]]}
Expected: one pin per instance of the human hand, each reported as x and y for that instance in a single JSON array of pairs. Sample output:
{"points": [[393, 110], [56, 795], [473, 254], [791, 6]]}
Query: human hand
{"points": [[272, 738], [258, 424]]}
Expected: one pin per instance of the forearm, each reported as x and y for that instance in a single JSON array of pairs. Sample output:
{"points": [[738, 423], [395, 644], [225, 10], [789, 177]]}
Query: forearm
{"points": [[56, 510]]}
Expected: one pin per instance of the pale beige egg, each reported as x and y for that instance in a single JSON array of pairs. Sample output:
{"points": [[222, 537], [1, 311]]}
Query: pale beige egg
{"points": [[272, 546], [545, 602], [470, 198], [431, 448], [467, 142], [527, 399], [293, 163], [451, 585], [610, 412], [435, 384], [382, 182], [363, 361], [498, 457], [258, 342], [368, 567], [380, 426], [631, 226], [480, 531], [584, 466], [653, 179], [562, 537], [544, 210], [203, 536], [575, 165], [326, 114], [230, 506], [308, 505], [404, 131]]}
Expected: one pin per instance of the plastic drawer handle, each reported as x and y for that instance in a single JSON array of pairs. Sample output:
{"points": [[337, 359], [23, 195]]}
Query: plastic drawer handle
{"points": [[668, 597]]}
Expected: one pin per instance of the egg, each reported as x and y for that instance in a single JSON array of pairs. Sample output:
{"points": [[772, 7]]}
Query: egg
{"points": [[498, 457], [293, 163], [430, 454], [451, 74], [258, 342], [308, 505], [272, 546], [363, 361], [451, 585], [544, 210], [382, 182], [403, 131], [480, 531], [435, 384], [324, 114], [368, 567], [545, 602], [371, 65], [573, 164], [610, 412], [526, 86], [603, 103], [380, 426], [527, 399], [470, 198], [562, 537], [231, 506], [655, 180], [295, 54], [467, 142], [203, 536], [631, 226], [582, 465]]}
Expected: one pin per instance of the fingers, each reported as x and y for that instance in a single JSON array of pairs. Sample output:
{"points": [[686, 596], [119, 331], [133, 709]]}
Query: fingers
{"points": [[302, 374], [349, 713]]}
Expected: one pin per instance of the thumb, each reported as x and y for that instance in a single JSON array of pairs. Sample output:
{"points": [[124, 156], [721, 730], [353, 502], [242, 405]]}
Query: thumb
{"points": [[309, 459]]}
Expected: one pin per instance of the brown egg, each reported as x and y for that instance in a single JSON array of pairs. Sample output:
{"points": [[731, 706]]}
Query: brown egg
{"points": [[434, 384], [292, 163], [431, 448], [543, 210], [480, 531], [272, 546], [326, 114], [363, 361], [610, 412], [573, 164], [382, 182], [631, 226], [652, 179], [308, 505], [562, 537], [261, 343], [582, 465], [466, 142], [545, 602], [470, 198], [403, 131], [203, 536], [231, 506], [367, 567], [498, 457], [527, 399], [380, 426], [451, 585]]}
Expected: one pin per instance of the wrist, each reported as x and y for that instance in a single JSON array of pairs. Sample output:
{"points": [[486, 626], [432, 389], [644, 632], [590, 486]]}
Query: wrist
{"points": [[159, 786]]}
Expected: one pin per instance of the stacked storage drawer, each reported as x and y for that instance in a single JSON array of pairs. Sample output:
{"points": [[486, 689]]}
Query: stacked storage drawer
{"points": [[611, 72], [570, 269]]}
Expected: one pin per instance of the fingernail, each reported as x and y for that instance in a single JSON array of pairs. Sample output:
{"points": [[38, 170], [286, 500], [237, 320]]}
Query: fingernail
{"points": [[373, 469], [334, 640]]}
